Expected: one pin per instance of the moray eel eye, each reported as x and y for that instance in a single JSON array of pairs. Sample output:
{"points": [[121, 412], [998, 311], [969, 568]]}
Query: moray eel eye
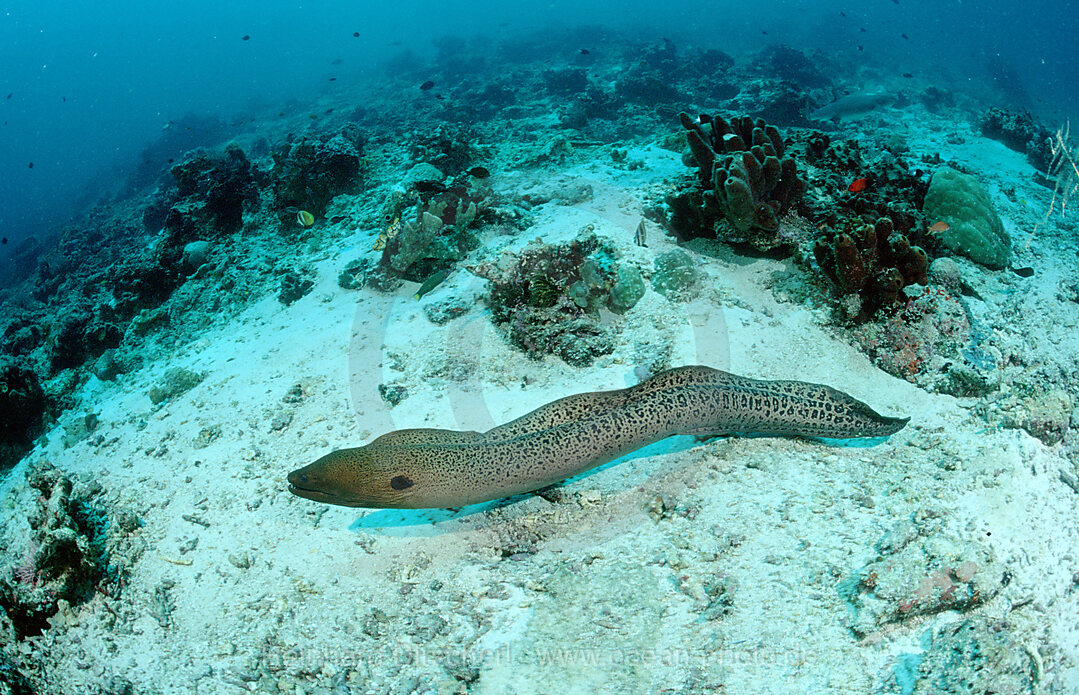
{"points": [[400, 482]]}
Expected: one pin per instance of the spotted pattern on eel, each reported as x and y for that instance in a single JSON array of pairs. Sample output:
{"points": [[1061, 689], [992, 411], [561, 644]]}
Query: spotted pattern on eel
{"points": [[432, 468]]}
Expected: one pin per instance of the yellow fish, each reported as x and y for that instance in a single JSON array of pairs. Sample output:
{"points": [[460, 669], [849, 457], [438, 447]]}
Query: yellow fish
{"points": [[305, 218], [392, 231]]}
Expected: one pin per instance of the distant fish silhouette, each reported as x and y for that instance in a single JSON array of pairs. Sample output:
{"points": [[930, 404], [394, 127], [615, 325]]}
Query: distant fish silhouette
{"points": [[336, 61], [584, 51], [356, 34], [479, 172], [246, 37], [31, 165], [3, 241], [429, 84], [10, 94]]}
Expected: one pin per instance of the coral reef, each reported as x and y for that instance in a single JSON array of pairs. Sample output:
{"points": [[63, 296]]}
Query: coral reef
{"points": [[431, 221], [451, 148], [872, 261], [1019, 131], [829, 165], [935, 341], [309, 171], [974, 228], [745, 182], [549, 298], [214, 190], [66, 557], [23, 407], [790, 65]]}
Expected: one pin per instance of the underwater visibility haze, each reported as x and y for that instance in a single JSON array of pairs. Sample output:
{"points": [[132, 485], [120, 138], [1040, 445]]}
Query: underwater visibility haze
{"points": [[481, 347]]}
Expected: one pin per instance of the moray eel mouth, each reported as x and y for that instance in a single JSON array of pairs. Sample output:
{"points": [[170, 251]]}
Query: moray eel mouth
{"points": [[297, 481]]}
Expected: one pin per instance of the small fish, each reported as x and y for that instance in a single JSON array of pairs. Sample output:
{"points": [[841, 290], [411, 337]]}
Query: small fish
{"points": [[3, 241], [429, 84], [31, 165], [336, 61], [861, 29], [390, 232], [333, 79], [432, 282], [939, 227], [861, 47], [479, 172], [857, 185], [905, 37], [10, 94], [355, 34], [1023, 272], [439, 97], [640, 235], [246, 37], [584, 51], [305, 218], [907, 75]]}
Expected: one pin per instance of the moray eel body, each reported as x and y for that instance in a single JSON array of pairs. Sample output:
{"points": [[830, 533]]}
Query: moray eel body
{"points": [[432, 468]]}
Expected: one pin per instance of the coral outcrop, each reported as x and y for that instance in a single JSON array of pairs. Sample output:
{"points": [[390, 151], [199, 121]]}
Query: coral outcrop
{"points": [[745, 182], [214, 189], [549, 298], [64, 560], [22, 411], [309, 171], [1019, 131], [872, 261], [430, 227], [974, 228]]}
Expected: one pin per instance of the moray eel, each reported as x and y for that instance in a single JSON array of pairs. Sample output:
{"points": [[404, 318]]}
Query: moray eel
{"points": [[432, 468]]}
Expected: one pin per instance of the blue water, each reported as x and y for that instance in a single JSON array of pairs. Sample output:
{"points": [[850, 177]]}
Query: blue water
{"points": [[95, 86]]}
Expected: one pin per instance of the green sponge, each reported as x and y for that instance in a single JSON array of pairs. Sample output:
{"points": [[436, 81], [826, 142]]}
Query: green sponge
{"points": [[974, 228]]}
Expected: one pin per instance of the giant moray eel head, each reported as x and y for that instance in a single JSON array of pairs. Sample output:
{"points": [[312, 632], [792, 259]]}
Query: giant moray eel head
{"points": [[352, 478]]}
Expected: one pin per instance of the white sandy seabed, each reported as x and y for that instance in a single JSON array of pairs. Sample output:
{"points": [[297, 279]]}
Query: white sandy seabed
{"points": [[686, 567]]}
